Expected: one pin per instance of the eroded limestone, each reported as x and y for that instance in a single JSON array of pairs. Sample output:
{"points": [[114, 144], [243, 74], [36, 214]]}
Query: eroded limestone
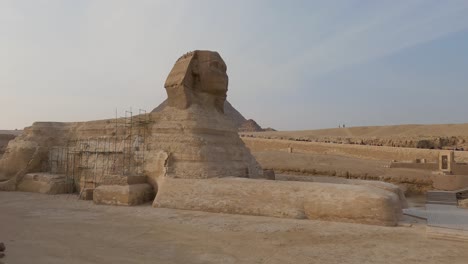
{"points": [[321, 201]]}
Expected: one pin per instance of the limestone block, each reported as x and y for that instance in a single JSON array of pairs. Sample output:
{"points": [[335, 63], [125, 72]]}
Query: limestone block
{"points": [[45, 183], [337, 180], [449, 182], [384, 186], [87, 194], [463, 203], [269, 174], [321, 201], [123, 194], [122, 180]]}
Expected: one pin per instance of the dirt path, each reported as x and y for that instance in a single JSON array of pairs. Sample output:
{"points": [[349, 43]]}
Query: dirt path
{"points": [[60, 229]]}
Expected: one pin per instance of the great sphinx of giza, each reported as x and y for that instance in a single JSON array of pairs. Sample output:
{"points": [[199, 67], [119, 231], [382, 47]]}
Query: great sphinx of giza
{"points": [[190, 155], [193, 130]]}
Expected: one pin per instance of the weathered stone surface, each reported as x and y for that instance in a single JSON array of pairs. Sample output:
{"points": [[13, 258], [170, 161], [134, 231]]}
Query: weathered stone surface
{"points": [[156, 166], [336, 180], [86, 194], [123, 194], [449, 182], [123, 180], [199, 139], [45, 183], [18, 162], [5, 137], [237, 118], [198, 77], [30, 149], [269, 174], [384, 186], [335, 202], [463, 203]]}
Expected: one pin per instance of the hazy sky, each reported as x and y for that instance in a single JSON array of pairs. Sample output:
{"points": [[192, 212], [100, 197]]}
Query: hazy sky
{"points": [[291, 64]]}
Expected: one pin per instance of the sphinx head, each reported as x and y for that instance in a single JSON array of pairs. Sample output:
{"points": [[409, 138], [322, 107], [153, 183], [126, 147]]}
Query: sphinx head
{"points": [[198, 77]]}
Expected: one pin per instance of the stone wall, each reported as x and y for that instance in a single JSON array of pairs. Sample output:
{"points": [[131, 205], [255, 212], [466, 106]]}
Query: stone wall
{"points": [[356, 151], [450, 182], [460, 168], [412, 165]]}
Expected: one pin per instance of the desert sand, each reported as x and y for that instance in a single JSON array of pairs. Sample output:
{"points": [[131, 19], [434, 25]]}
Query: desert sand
{"points": [[40, 229]]}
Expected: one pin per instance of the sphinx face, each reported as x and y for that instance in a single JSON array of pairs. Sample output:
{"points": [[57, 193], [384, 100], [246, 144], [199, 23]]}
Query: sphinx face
{"points": [[212, 73]]}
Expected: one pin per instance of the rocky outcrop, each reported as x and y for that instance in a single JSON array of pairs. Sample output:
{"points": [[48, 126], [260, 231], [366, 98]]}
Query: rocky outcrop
{"points": [[37, 138], [31, 151]]}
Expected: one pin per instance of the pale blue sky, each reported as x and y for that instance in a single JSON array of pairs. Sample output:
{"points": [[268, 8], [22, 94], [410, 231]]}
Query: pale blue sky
{"points": [[292, 64]]}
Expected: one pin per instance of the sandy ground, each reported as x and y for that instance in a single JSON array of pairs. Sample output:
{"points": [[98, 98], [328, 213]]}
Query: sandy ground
{"points": [[38, 229]]}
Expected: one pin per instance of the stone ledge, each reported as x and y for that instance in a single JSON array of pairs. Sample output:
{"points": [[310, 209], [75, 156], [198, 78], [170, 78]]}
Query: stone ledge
{"points": [[45, 183], [301, 200]]}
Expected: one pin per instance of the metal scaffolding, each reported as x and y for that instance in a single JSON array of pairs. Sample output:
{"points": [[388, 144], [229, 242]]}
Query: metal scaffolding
{"points": [[120, 151]]}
